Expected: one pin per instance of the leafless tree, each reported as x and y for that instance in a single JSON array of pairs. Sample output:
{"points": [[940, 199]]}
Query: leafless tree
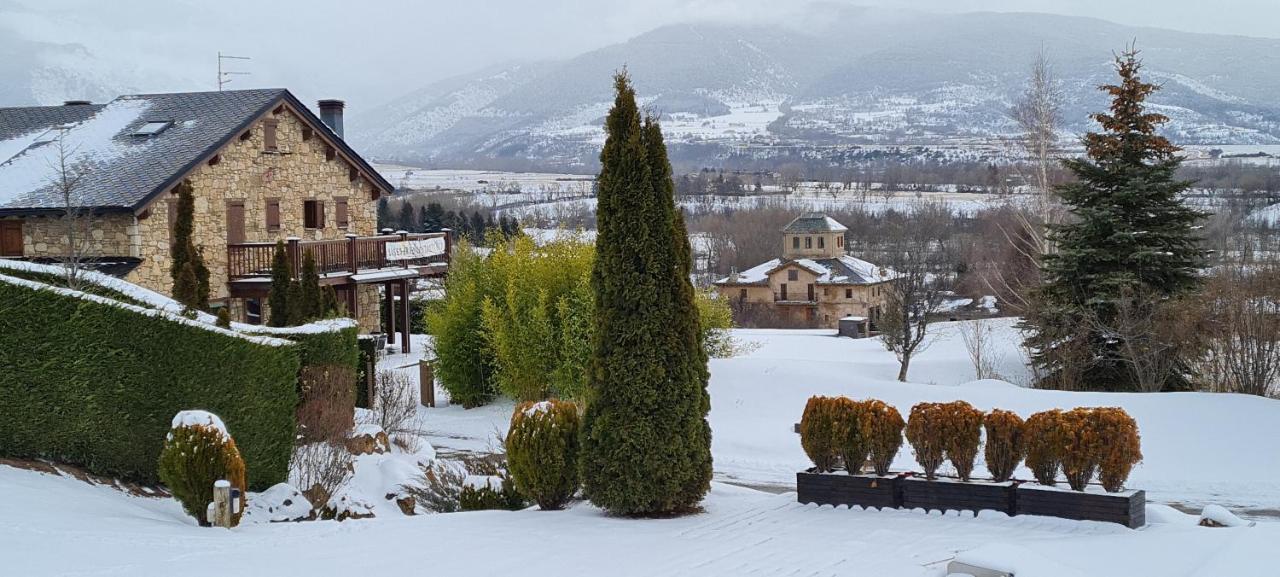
{"points": [[1151, 335], [395, 409], [1243, 329], [979, 341], [918, 258], [76, 219]]}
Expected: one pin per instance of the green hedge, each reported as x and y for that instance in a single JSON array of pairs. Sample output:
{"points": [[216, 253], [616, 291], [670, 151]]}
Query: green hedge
{"points": [[96, 384]]}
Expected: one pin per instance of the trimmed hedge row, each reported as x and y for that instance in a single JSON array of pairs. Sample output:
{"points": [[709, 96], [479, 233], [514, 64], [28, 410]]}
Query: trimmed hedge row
{"points": [[96, 384]]}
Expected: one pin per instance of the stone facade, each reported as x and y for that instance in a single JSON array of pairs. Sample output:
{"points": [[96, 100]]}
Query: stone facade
{"points": [[302, 167], [830, 302]]}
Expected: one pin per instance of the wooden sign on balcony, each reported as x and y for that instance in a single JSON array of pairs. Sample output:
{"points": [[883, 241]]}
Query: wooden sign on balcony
{"points": [[415, 249]]}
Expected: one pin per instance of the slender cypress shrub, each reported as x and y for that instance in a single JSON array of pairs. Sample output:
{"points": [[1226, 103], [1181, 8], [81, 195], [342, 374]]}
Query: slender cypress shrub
{"points": [[312, 306], [1005, 447], [1082, 447], [190, 287], [818, 432], [927, 433], [1122, 446], [646, 443], [963, 437], [853, 434], [278, 298]]}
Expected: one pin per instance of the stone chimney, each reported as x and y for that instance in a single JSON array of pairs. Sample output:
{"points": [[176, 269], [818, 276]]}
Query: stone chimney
{"points": [[331, 115]]}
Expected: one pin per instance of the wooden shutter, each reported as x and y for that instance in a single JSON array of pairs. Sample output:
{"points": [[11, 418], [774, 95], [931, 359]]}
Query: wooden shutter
{"points": [[273, 214], [269, 133], [235, 222], [10, 238], [340, 213], [314, 213]]}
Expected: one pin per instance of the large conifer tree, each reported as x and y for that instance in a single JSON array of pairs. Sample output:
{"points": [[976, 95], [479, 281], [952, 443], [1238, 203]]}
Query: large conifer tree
{"points": [[1130, 245], [646, 444]]}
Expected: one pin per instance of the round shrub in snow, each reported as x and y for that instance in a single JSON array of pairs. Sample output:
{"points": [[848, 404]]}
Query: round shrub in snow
{"points": [[927, 434], [853, 434], [1082, 447], [542, 452], [197, 452], [1122, 446], [963, 426], [818, 432], [1004, 446], [884, 433], [1042, 435]]}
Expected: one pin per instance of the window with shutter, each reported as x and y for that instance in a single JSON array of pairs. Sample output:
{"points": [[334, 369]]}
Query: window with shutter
{"points": [[10, 238], [235, 222], [269, 134], [273, 214], [341, 216], [313, 214]]}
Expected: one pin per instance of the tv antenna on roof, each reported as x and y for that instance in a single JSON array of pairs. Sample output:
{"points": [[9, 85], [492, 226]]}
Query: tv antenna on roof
{"points": [[224, 77]]}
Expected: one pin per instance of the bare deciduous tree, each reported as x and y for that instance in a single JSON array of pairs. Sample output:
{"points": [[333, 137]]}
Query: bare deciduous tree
{"points": [[1153, 336], [1243, 330], [979, 341], [919, 260], [76, 219]]}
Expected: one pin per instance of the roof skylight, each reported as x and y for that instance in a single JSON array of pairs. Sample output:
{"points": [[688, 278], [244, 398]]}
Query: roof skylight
{"points": [[152, 127]]}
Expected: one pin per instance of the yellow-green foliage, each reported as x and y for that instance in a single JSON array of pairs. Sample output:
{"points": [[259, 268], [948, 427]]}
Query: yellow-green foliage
{"points": [[926, 431], [1122, 446], [1042, 436], [715, 318], [1005, 447], [884, 433], [542, 452], [193, 458], [818, 430], [963, 425], [853, 434], [487, 498]]}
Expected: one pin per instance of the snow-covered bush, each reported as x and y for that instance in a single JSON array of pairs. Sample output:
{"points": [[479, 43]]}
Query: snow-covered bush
{"points": [[197, 452], [884, 435], [542, 452], [927, 433], [327, 409], [1042, 436], [1082, 447], [1122, 446], [486, 492], [963, 428], [818, 429], [1004, 447]]}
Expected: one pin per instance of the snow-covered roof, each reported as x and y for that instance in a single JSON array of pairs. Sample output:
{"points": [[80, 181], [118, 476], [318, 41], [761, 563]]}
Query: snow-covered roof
{"points": [[814, 222], [842, 270], [122, 167]]}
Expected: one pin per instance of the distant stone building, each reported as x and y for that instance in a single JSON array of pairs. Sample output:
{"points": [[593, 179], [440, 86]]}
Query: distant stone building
{"points": [[263, 168], [814, 284]]}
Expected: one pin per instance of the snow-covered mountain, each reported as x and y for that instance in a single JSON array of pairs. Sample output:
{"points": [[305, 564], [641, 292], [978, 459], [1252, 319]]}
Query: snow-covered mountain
{"points": [[844, 76], [43, 73]]}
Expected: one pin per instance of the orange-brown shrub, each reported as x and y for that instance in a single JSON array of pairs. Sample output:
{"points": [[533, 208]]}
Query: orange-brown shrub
{"points": [[853, 434], [884, 434], [818, 432], [1042, 436], [194, 456], [1004, 447], [1082, 448], [927, 433], [1122, 446], [963, 425], [327, 407]]}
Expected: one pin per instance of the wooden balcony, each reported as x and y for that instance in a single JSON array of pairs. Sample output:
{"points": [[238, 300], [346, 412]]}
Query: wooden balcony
{"points": [[354, 255]]}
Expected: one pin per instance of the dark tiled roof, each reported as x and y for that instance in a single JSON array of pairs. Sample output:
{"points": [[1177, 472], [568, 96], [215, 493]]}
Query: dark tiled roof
{"points": [[814, 222], [125, 171]]}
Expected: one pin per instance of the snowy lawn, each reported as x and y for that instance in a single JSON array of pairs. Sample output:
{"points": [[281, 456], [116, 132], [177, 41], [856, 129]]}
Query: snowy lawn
{"points": [[1199, 448], [53, 525]]}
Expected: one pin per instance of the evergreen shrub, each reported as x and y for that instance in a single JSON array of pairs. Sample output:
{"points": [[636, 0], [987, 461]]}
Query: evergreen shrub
{"points": [[818, 430], [853, 434], [197, 452], [884, 436], [927, 433], [542, 452], [1043, 439], [963, 426], [1082, 448], [1004, 447], [1122, 446]]}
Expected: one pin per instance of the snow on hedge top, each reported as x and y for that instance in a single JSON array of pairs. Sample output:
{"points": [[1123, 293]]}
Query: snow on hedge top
{"points": [[478, 482], [165, 304], [87, 143], [200, 418], [538, 407]]}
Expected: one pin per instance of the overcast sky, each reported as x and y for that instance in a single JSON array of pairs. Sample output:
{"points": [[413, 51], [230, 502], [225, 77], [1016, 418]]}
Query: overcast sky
{"points": [[371, 51]]}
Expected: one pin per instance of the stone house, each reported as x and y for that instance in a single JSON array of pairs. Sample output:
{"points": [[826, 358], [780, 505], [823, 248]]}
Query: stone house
{"points": [[263, 168], [814, 284]]}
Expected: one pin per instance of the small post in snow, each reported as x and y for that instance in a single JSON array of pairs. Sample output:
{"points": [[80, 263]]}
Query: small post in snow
{"points": [[220, 509]]}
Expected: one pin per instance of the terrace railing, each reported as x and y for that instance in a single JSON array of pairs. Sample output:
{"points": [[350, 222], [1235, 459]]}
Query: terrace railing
{"points": [[352, 254]]}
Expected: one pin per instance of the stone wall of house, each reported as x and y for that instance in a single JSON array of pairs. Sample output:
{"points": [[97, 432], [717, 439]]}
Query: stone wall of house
{"points": [[113, 234], [832, 301], [367, 301], [297, 171]]}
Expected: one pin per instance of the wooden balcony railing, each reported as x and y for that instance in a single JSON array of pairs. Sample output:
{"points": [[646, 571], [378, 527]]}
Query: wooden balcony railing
{"points": [[351, 254]]}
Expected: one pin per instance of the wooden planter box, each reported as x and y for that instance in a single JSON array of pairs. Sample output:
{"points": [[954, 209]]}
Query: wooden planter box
{"points": [[1128, 508], [839, 488], [949, 495]]}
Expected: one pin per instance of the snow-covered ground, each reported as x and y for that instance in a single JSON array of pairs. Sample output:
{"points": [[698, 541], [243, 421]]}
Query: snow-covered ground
{"points": [[1199, 449]]}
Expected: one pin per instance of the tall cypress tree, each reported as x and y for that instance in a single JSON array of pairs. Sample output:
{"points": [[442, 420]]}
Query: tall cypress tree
{"points": [[312, 305], [646, 443], [278, 298], [384, 214], [190, 287], [407, 215], [1130, 245]]}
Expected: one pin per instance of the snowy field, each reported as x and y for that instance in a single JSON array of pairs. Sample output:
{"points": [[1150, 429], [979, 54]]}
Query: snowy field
{"points": [[483, 181], [1199, 449]]}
